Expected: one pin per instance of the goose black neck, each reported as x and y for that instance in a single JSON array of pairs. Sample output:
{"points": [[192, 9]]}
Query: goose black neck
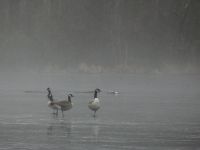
{"points": [[49, 92], [95, 94], [69, 99], [50, 96]]}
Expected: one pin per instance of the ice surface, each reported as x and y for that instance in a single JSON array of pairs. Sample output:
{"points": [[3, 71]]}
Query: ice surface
{"points": [[150, 112]]}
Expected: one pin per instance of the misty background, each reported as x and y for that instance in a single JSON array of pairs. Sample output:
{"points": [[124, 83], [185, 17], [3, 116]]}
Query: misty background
{"points": [[100, 35], [147, 51]]}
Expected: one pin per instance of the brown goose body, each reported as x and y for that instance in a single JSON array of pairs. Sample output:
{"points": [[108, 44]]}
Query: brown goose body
{"points": [[63, 105]]}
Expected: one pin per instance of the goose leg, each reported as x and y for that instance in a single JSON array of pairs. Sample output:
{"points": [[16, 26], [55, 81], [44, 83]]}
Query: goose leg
{"points": [[56, 112], [62, 113], [94, 114]]}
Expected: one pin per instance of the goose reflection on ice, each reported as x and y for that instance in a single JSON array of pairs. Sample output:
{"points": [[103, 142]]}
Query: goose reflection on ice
{"points": [[95, 131], [61, 128]]}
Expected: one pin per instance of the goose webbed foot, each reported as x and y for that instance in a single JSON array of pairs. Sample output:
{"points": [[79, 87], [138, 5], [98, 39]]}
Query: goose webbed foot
{"points": [[55, 112]]}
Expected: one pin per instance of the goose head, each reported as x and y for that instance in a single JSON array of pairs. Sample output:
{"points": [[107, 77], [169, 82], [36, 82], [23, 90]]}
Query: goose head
{"points": [[96, 91], [50, 96], [69, 97], [48, 89]]}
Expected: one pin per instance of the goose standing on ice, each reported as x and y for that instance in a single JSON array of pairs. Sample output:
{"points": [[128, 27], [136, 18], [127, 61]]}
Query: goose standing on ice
{"points": [[51, 102], [94, 104], [64, 105]]}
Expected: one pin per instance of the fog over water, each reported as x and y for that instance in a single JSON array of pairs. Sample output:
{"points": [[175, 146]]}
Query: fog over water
{"points": [[100, 36]]}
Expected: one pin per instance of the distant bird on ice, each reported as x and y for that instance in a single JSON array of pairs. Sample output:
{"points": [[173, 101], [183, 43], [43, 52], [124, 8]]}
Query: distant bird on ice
{"points": [[113, 92], [63, 105], [94, 104]]}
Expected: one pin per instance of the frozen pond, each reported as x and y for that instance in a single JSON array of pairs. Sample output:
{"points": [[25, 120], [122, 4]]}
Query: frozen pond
{"points": [[151, 112]]}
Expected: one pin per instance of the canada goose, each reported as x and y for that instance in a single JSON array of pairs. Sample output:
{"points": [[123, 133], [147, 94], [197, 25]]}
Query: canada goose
{"points": [[64, 105], [94, 104], [51, 101]]}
